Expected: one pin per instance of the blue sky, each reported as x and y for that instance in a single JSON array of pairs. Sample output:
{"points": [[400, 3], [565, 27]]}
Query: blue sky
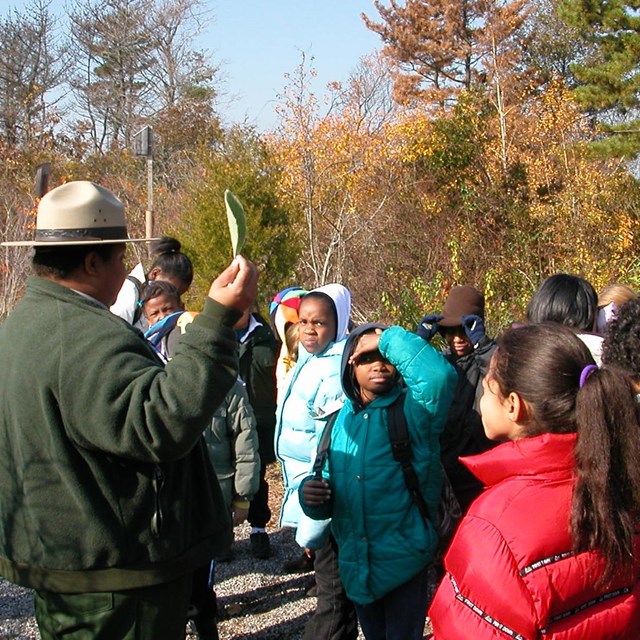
{"points": [[259, 41], [256, 42]]}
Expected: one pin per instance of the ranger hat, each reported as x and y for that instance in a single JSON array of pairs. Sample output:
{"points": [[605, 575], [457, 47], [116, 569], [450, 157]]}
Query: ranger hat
{"points": [[79, 213], [462, 301]]}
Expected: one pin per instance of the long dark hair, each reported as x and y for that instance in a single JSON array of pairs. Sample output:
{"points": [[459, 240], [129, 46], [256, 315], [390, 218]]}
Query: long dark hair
{"points": [[543, 363]]}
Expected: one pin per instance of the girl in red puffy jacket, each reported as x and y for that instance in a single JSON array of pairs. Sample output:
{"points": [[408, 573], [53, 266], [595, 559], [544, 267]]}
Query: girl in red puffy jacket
{"points": [[551, 549]]}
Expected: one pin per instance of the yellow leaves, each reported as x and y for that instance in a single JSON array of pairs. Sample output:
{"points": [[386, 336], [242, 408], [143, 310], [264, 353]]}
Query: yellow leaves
{"points": [[497, 197], [431, 207], [414, 137], [624, 235], [453, 245], [333, 157], [410, 139]]}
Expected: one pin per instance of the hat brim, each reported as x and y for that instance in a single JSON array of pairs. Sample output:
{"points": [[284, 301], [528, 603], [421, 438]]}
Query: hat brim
{"points": [[451, 321], [73, 243]]}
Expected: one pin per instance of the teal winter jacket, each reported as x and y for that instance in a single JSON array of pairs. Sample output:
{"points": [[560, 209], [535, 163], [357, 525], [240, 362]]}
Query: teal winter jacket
{"points": [[383, 540]]}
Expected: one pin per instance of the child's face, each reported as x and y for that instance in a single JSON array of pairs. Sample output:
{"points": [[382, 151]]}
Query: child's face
{"points": [[317, 325], [457, 340], [374, 374], [495, 411], [160, 307]]}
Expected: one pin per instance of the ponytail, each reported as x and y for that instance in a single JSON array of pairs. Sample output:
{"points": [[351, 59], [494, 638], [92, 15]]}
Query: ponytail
{"points": [[606, 499], [170, 260], [554, 373]]}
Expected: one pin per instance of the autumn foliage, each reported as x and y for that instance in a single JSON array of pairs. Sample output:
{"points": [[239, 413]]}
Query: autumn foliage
{"points": [[433, 165]]}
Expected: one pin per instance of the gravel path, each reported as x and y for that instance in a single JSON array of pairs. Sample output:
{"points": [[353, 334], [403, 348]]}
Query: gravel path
{"points": [[16, 612], [256, 600]]}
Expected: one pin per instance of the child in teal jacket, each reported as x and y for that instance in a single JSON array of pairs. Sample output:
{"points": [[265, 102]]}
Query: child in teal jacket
{"points": [[384, 544]]}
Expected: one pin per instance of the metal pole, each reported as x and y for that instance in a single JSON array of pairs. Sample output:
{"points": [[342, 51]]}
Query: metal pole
{"points": [[149, 212]]}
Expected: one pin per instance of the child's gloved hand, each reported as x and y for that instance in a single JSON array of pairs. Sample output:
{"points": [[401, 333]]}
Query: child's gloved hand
{"points": [[315, 492], [428, 326], [474, 328]]}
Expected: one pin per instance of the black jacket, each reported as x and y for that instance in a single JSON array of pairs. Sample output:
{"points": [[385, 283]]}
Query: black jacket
{"points": [[258, 354], [463, 433]]}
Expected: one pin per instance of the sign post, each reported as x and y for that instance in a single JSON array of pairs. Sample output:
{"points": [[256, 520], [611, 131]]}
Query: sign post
{"points": [[143, 146]]}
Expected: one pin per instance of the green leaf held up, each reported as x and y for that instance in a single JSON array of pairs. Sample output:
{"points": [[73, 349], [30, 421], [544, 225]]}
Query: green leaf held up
{"points": [[237, 221]]}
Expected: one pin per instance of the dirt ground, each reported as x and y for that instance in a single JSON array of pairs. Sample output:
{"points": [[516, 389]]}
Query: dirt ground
{"points": [[276, 491]]}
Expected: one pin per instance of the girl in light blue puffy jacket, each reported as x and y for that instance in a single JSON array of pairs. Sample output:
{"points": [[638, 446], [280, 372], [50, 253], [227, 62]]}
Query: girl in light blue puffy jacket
{"points": [[313, 389]]}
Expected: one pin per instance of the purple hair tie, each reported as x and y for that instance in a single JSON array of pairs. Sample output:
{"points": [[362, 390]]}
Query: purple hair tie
{"points": [[585, 373]]}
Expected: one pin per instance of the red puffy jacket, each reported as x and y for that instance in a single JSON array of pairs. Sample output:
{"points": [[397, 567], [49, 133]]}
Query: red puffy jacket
{"points": [[510, 571]]}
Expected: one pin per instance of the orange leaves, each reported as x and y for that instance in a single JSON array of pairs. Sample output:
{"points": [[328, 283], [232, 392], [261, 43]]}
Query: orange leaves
{"points": [[442, 48], [497, 191]]}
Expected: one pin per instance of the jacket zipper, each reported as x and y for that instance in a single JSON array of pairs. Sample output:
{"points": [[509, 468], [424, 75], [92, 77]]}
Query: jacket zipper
{"points": [[158, 516]]}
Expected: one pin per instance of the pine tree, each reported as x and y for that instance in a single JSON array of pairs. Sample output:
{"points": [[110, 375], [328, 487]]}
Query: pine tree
{"points": [[609, 73]]}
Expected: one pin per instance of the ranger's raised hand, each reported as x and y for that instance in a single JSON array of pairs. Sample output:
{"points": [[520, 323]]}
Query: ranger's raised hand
{"points": [[237, 285]]}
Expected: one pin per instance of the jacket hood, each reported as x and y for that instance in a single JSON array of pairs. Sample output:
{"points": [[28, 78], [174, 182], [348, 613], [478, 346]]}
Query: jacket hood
{"points": [[348, 382], [283, 310], [341, 298]]}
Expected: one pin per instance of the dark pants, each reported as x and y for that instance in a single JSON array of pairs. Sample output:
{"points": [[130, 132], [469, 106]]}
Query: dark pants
{"points": [[259, 512], [203, 597], [149, 613], [400, 615], [335, 615]]}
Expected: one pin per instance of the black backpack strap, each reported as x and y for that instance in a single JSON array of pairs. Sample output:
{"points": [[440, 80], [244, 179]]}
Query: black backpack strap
{"points": [[139, 287], [403, 452], [323, 446]]}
